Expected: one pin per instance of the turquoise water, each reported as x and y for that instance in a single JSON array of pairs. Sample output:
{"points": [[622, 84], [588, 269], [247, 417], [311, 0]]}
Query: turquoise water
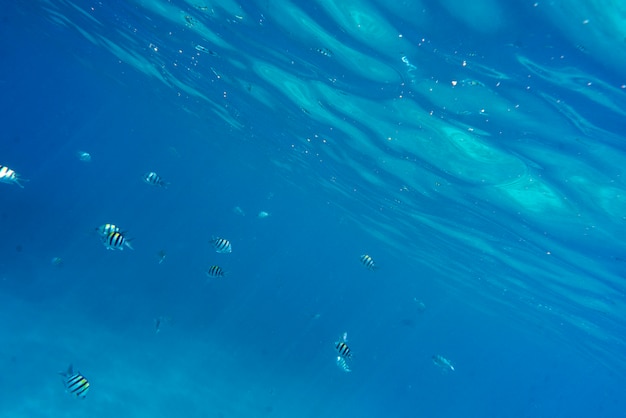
{"points": [[472, 149]]}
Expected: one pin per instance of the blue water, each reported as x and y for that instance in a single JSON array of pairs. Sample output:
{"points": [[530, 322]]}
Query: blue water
{"points": [[473, 149]]}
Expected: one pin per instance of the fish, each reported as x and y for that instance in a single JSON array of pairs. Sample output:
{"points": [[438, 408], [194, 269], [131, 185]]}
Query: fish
{"points": [[106, 229], [222, 245], [9, 176], [343, 364], [342, 347], [443, 363], [83, 156], [205, 50], [154, 179], [324, 51], [368, 262], [75, 383], [116, 241], [215, 271], [161, 256], [344, 355], [263, 215]]}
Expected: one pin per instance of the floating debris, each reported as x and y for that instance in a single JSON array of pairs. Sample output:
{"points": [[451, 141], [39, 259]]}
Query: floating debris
{"points": [[161, 256]]}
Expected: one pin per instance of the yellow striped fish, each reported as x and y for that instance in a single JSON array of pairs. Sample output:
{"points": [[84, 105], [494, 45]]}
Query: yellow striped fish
{"points": [[116, 241], [75, 383], [106, 229]]}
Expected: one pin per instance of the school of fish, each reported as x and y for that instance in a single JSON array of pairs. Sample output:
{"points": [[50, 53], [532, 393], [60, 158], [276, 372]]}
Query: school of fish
{"points": [[114, 238]]}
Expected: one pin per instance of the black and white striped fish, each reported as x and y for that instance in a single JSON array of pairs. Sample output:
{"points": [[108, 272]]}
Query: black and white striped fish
{"points": [[116, 241], [368, 262], [343, 350], [106, 229], [344, 355], [75, 383], [215, 271], [9, 176], [154, 179], [221, 245]]}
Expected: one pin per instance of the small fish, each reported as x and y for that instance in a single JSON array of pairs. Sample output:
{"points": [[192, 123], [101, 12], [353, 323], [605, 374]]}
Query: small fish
{"points": [[75, 383], [116, 241], [9, 176], [84, 156], [190, 21], [343, 364], [161, 256], [221, 245], [368, 262], [443, 363], [344, 355], [56, 261], [154, 179], [342, 347], [325, 52], [106, 229], [159, 322], [157, 325], [205, 50], [263, 215], [215, 271], [238, 211]]}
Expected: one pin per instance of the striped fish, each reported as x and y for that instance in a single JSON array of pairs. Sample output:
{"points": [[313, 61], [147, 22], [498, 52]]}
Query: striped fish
{"points": [[343, 364], [75, 383], [116, 241], [154, 179], [106, 229], [368, 262], [343, 350], [344, 356], [342, 347], [215, 271], [9, 176], [221, 245]]}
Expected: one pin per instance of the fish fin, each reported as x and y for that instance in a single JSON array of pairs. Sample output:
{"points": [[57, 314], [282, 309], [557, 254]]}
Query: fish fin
{"points": [[17, 181], [68, 372], [127, 243]]}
